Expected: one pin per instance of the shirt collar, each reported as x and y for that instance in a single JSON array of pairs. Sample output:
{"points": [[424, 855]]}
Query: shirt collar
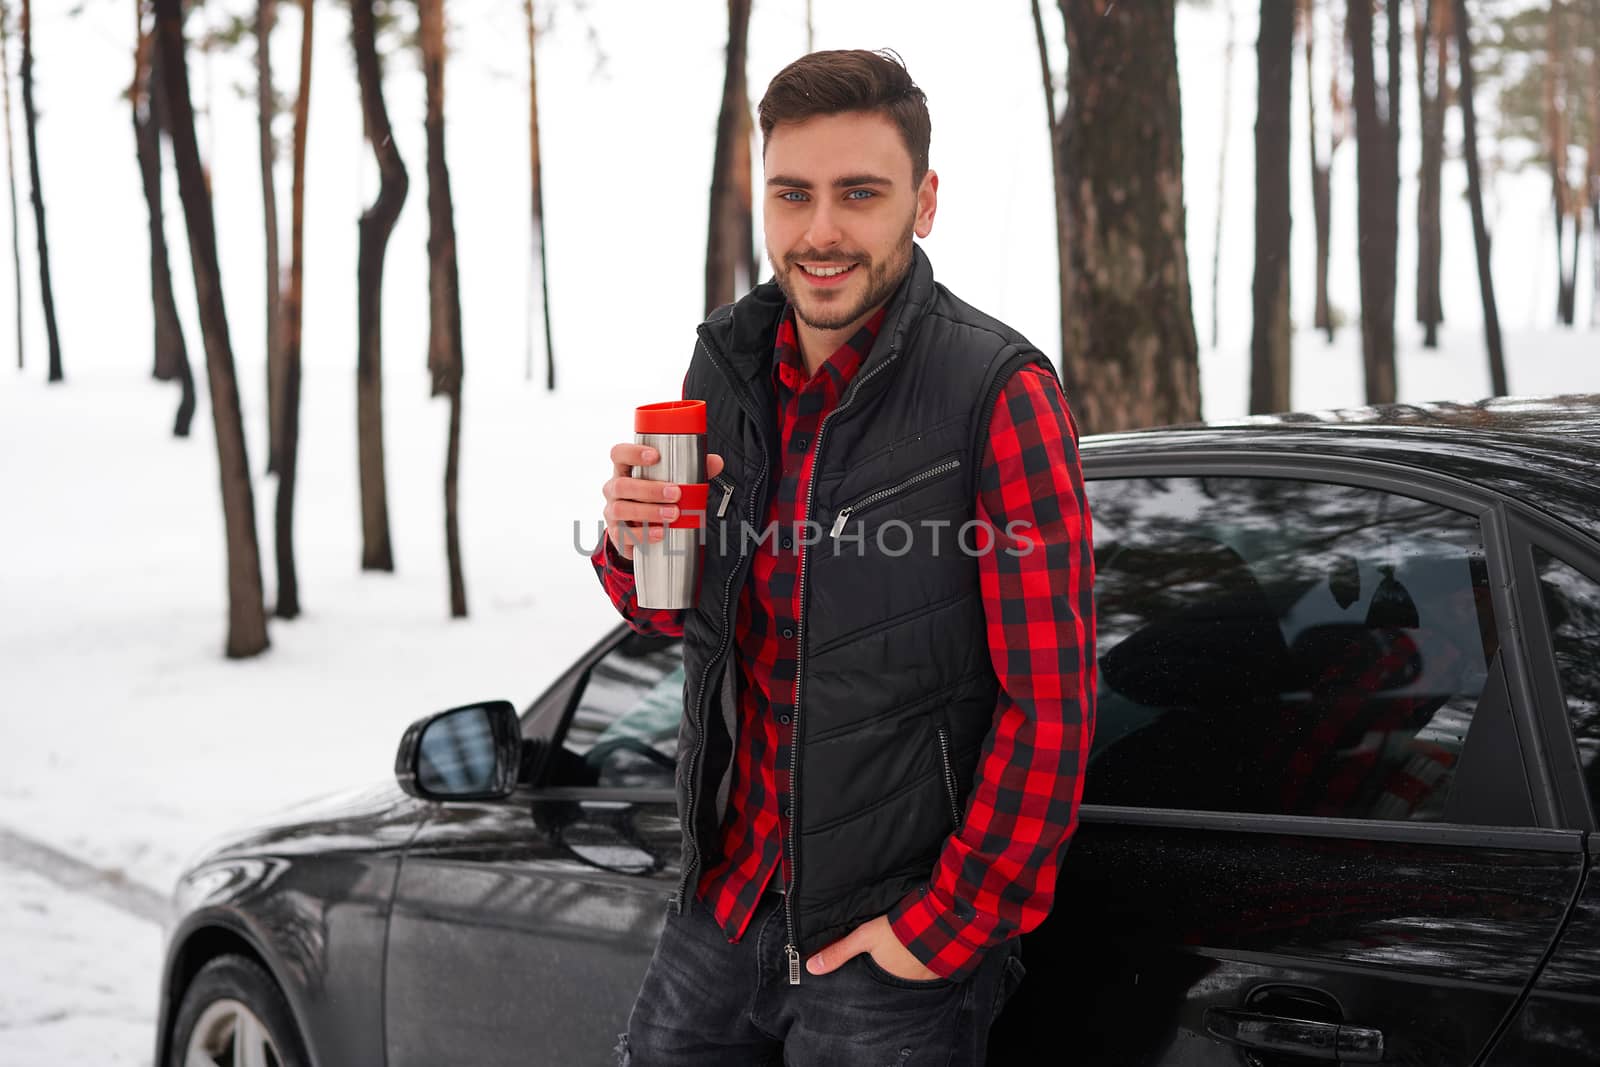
{"points": [[788, 365]]}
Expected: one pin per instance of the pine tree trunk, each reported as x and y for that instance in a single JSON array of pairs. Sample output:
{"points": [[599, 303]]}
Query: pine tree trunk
{"points": [[147, 150], [1130, 355], [1569, 295], [31, 122], [1270, 341], [444, 289], [11, 170], [1058, 178], [723, 255], [288, 604], [1321, 208], [184, 418], [1555, 73], [1321, 192], [247, 618], [1480, 229], [1378, 194], [1594, 246], [168, 328], [266, 107], [541, 249], [149, 119], [186, 378], [1432, 97], [376, 226], [452, 509], [168, 334], [1593, 182], [1222, 169], [747, 273]]}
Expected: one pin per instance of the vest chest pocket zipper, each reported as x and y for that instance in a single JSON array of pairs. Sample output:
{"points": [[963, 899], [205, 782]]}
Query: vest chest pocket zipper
{"points": [[879, 496], [947, 772]]}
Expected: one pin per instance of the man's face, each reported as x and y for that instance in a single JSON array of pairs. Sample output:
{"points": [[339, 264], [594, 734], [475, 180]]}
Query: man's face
{"points": [[839, 214]]}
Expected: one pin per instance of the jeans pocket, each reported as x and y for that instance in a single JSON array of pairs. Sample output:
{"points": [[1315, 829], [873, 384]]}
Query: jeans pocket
{"points": [[883, 977], [1011, 977]]}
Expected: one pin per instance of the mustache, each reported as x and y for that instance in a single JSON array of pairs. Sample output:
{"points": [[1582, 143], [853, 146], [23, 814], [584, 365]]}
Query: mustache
{"points": [[794, 258]]}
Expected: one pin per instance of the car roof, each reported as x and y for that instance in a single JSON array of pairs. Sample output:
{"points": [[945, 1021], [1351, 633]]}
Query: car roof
{"points": [[1543, 452]]}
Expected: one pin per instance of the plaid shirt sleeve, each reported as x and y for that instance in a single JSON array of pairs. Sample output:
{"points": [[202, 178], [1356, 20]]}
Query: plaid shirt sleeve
{"points": [[616, 575], [996, 876]]}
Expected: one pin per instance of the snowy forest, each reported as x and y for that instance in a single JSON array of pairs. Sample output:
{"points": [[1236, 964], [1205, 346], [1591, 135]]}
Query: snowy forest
{"points": [[1128, 344], [253, 244]]}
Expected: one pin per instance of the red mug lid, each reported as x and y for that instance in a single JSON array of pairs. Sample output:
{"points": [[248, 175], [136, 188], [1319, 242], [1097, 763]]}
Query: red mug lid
{"points": [[672, 416]]}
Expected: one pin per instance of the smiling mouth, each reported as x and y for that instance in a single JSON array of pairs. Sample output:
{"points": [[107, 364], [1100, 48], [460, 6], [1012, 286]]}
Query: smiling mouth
{"points": [[827, 271]]}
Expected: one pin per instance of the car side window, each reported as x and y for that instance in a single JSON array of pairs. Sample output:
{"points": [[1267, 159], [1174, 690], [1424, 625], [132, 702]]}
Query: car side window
{"points": [[624, 731], [1278, 646], [1572, 606]]}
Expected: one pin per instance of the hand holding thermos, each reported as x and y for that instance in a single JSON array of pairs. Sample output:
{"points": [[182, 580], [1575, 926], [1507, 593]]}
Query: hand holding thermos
{"points": [[656, 500]]}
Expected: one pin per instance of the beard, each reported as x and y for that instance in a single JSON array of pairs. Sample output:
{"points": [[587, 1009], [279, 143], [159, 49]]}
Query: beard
{"points": [[820, 312]]}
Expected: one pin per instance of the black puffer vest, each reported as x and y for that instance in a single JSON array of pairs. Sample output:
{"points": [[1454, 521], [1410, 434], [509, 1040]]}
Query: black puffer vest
{"points": [[896, 692]]}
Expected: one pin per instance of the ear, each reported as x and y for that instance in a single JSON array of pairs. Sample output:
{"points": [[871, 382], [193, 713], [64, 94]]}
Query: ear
{"points": [[927, 203]]}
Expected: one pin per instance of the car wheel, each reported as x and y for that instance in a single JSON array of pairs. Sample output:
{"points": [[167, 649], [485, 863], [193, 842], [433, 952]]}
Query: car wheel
{"points": [[234, 1015]]}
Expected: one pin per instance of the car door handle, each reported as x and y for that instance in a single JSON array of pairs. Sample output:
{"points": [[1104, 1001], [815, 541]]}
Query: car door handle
{"points": [[1260, 1032]]}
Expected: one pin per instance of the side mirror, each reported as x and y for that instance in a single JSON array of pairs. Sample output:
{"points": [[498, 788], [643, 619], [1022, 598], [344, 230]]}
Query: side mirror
{"points": [[467, 753]]}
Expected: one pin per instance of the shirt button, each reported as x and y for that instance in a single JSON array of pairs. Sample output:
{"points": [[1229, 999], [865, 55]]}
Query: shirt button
{"points": [[800, 443], [787, 543], [788, 811], [787, 633], [784, 719]]}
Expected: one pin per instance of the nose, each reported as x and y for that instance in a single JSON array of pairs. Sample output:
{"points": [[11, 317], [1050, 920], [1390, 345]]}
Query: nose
{"points": [[823, 232]]}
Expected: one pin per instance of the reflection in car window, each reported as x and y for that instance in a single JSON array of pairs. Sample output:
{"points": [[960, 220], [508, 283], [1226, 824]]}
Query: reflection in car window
{"points": [[1572, 604], [626, 724], [1285, 647]]}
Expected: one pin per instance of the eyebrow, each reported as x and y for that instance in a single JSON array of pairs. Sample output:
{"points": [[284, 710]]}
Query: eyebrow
{"points": [[849, 181]]}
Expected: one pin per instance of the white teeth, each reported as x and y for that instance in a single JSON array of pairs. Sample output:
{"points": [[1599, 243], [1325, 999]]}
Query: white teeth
{"points": [[824, 272]]}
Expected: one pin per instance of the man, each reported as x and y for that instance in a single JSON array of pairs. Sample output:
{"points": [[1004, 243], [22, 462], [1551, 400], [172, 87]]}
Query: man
{"points": [[889, 688]]}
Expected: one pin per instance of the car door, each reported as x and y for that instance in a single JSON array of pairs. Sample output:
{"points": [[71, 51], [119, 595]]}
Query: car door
{"points": [[521, 928], [1559, 1024], [1309, 829]]}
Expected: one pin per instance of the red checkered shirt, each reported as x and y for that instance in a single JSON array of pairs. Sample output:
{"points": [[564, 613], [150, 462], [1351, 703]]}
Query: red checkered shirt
{"points": [[1001, 863]]}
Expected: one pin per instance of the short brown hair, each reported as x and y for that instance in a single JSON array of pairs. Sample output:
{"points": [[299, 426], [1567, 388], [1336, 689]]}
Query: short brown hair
{"points": [[828, 83]]}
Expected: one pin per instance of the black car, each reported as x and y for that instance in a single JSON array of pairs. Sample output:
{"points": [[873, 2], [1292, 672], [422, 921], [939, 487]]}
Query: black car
{"points": [[1340, 805]]}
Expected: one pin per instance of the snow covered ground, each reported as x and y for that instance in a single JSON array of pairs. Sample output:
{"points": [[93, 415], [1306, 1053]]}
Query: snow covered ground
{"points": [[78, 988], [126, 741]]}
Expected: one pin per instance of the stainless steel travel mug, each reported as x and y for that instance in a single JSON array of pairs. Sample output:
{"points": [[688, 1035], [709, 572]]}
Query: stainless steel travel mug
{"points": [[667, 572]]}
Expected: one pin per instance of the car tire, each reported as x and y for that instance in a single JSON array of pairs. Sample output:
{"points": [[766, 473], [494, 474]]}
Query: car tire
{"points": [[233, 998]]}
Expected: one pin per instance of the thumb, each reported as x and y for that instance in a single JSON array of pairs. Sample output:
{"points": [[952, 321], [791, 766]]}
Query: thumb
{"points": [[837, 954], [713, 465]]}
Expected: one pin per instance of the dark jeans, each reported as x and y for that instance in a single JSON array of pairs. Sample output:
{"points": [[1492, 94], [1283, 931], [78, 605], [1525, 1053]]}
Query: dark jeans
{"points": [[707, 1003]]}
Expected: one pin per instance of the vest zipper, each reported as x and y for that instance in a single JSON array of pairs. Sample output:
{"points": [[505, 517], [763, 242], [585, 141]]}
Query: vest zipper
{"points": [[883, 494], [949, 776], [692, 865], [792, 948], [727, 493]]}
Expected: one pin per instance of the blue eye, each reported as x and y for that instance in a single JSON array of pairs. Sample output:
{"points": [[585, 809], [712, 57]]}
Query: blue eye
{"points": [[793, 196], [865, 194]]}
